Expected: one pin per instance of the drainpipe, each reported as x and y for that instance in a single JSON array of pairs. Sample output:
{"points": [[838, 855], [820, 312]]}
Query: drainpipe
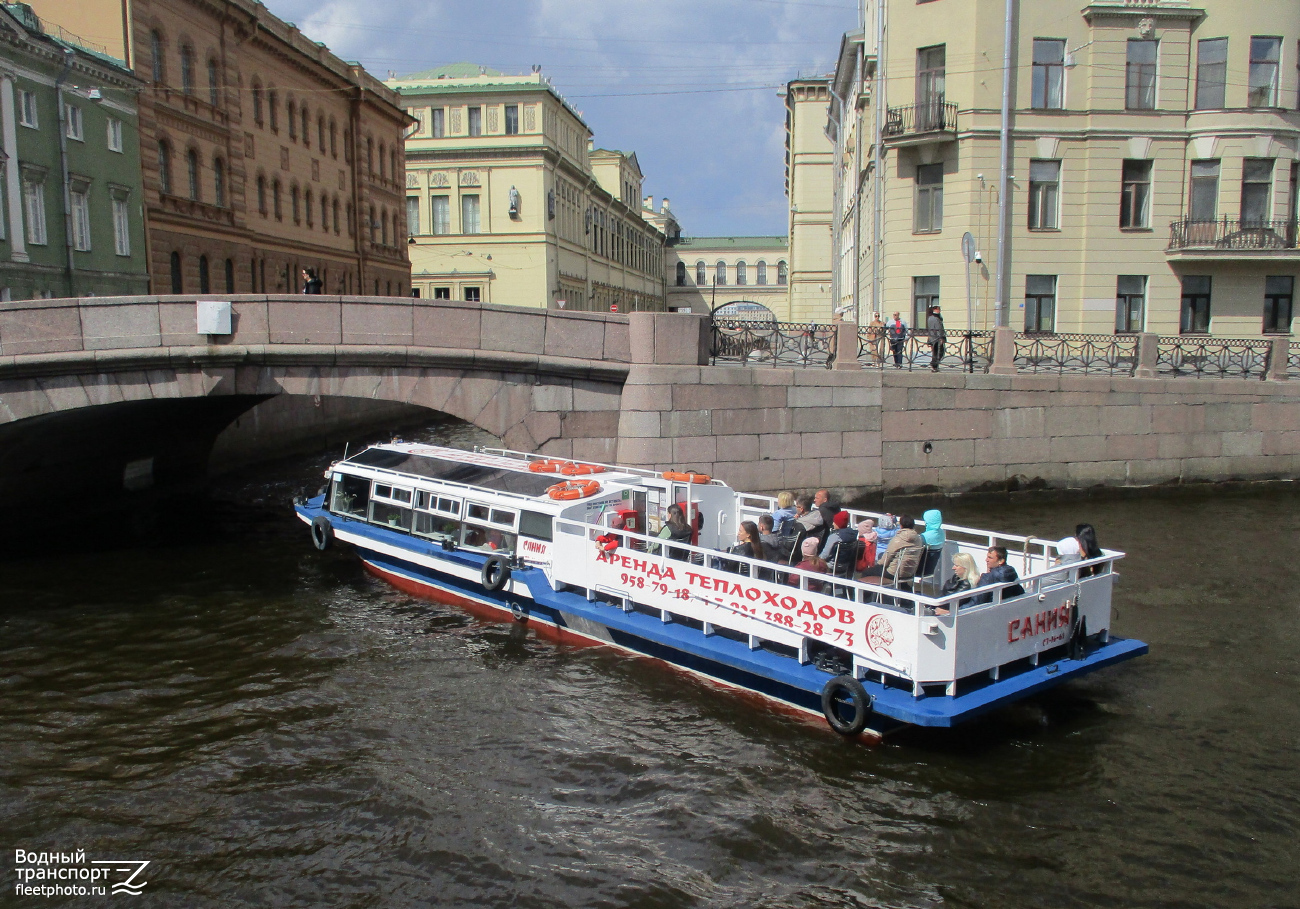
{"points": [[68, 56], [362, 236], [1004, 273], [860, 66]]}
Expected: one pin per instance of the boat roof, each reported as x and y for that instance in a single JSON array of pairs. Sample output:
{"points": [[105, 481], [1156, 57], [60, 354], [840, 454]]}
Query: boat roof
{"points": [[469, 468]]}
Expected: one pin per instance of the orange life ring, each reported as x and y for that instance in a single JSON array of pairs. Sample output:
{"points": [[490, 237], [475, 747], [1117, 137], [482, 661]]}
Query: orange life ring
{"points": [[551, 465], [573, 489], [689, 476], [580, 470]]}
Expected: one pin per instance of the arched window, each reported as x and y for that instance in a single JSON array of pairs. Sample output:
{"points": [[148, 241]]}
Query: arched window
{"points": [[324, 212], [392, 164], [219, 182], [306, 127], [164, 166], [762, 272], [370, 156], [336, 215], [230, 276], [291, 110], [273, 105], [156, 57], [177, 284], [214, 82], [257, 102], [334, 132], [347, 145], [741, 277], [192, 172], [275, 200], [720, 273], [701, 273], [308, 204], [261, 194], [383, 227], [187, 69], [383, 153], [374, 226], [681, 274], [205, 286], [397, 228], [293, 202], [320, 132], [782, 274]]}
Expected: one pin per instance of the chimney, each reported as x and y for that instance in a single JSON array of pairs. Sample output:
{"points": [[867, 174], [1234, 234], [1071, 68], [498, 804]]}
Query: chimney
{"points": [[664, 206], [648, 203]]}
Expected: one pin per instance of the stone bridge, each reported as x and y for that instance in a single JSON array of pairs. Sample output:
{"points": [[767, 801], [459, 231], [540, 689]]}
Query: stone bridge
{"points": [[89, 387]]}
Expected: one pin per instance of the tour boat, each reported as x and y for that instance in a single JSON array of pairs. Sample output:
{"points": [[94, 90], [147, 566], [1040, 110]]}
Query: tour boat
{"points": [[572, 548]]}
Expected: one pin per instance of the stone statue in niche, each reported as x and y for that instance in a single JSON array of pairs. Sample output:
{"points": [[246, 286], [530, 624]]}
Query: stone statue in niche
{"points": [[514, 203]]}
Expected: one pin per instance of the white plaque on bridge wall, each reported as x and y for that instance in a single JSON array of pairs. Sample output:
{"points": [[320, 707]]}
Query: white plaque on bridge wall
{"points": [[214, 317]]}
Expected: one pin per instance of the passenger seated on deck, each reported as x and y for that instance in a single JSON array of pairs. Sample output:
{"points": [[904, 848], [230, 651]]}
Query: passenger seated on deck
{"points": [[867, 534], [748, 542], [1067, 551], [1088, 549], [964, 575], [822, 502], [811, 562], [886, 527], [806, 516], [784, 513], [678, 530], [841, 535], [901, 558], [771, 542], [999, 573], [933, 534]]}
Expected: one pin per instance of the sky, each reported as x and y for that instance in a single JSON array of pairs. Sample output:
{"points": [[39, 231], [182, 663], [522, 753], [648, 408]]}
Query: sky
{"points": [[689, 85]]}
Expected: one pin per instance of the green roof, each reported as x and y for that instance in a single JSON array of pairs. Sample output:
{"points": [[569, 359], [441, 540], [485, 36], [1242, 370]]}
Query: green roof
{"points": [[734, 242], [455, 71]]}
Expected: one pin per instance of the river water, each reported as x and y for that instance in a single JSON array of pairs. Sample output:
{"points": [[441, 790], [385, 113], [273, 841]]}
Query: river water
{"points": [[270, 726]]}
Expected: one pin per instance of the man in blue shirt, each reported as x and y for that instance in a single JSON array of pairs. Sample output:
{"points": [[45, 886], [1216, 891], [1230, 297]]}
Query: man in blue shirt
{"points": [[999, 573]]}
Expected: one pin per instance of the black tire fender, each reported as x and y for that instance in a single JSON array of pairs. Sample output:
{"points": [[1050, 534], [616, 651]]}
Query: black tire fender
{"points": [[496, 573], [841, 691], [322, 532]]}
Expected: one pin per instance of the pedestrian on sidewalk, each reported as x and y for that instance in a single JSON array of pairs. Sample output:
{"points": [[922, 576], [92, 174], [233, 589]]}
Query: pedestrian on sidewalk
{"points": [[938, 337], [896, 331]]}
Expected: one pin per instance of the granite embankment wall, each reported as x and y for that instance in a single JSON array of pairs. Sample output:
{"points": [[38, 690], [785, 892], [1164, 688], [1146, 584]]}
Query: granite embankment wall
{"points": [[872, 430]]}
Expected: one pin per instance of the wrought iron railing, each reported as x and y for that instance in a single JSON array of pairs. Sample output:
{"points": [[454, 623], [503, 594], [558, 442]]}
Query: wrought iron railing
{"points": [[751, 342], [1218, 358], [1112, 355], [1232, 234], [931, 116], [962, 351], [1293, 361]]}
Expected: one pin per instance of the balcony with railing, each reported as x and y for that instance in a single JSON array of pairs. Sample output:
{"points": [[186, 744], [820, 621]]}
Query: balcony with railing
{"points": [[1228, 238], [934, 120]]}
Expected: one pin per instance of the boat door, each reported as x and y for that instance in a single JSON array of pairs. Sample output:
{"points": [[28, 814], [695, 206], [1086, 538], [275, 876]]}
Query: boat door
{"points": [[690, 507]]}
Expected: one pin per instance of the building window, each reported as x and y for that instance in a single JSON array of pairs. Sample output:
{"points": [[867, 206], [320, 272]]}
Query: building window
{"points": [[121, 227], [80, 220], [930, 85], [476, 121], [192, 172], [291, 111], [156, 57], [1277, 304], [257, 103], [1204, 195], [205, 279], [27, 113], [114, 135], [334, 150], [74, 123], [512, 119], [473, 295], [1130, 302], [320, 132], [782, 273], [370, 156], [230, 276], [293, 205], [761, 270], [34, 203], [413, 214], [701, 273], [442, 293], [1135, 195], [324, 213], [306, 126], [1049, 74], [741, 277], [928, 213], [383, 228], [469, 214], [351, 221], [1211, 73], [1265, 53], [219, 182], [440, 214], [308, 207], [1256, 187], [439, 130], [681, 274], [275, 200], [1044, 194], [164, 167], [261, 195], [187, 69], [178, 285], [273, 107], [1195, 306], [214, 82], [1140, 75], [720, 272], [925, 294], [1040, 303], [335, 212]]}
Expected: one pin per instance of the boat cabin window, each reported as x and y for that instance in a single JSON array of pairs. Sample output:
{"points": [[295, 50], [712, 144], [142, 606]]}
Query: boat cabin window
{"points": [[351, 495], [431, 501], [488, 529], [535, 525], [437, 527], [385, 508]]}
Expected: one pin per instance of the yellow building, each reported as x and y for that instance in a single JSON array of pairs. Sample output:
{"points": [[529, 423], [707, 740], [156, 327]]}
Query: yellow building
{"points": [[508, 202], [743, 277], [809, 173], [1151, 167]]}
